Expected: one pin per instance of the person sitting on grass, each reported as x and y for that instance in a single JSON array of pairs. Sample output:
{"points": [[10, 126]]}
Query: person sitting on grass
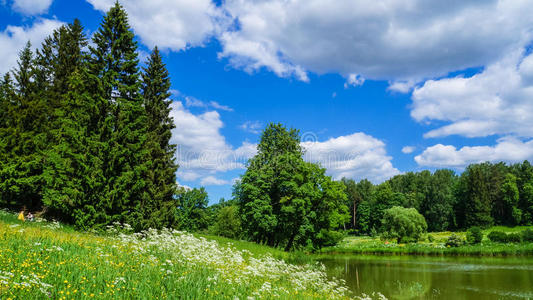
{"points": [[30, 217], [21, 216]]}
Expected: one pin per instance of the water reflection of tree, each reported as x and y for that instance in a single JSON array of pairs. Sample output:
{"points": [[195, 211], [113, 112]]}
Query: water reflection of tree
{"points": [[367, 276]]}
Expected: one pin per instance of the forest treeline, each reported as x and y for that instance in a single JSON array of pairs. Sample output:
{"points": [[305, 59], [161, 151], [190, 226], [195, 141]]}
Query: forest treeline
{"points": [[485, 194], [85, 134]]}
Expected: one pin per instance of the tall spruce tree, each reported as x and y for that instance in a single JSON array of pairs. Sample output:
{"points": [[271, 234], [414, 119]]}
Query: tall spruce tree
{"points": [[125, 159], [23, 172], [72, 171], [159, 210], [7, 141]]}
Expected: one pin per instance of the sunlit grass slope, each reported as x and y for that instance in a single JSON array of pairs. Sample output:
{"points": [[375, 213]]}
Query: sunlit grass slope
{"points": [[48, 261]]}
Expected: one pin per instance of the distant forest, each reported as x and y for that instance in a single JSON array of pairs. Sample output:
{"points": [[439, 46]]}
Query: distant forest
{"points": [[85, 139], [484, 194]]}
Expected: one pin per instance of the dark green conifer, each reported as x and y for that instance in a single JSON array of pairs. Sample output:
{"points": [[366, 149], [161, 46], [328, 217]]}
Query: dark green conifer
{"points": [[123, 123], [160, 209], [73, 171], [23, 171]]}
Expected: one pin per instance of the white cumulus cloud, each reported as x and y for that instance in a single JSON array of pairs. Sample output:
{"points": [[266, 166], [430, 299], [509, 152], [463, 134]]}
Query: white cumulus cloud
{"points": [[252, 127], [408, 149], [174, 25], [31, 7], [404, 42], [356, 156], [14, 38], [497, 101], [354, 80], [194, 102], [386, 39], [202, 149], [507, 149], [212, 180]]}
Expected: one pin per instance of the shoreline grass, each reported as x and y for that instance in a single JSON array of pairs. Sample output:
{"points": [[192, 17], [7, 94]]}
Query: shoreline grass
{"points": [[375, 246]]}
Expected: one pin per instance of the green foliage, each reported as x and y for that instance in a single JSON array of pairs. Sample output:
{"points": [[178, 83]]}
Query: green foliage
{"points": [[484, 194], [191, 214], [454, 241], [363, 218], [404, 224], [527, 235], [502, 237], [329, 237], [228, 222], [498, 237], [438, 202], [354, 199], [474, 235], [158, 209], [373, 245], [24, 137], [475, 193], [76, 141], [49, 262], [514, 237], [71, 170], [373, 232], [125, 157], [285, 201], [510, 196], [524, 181]]}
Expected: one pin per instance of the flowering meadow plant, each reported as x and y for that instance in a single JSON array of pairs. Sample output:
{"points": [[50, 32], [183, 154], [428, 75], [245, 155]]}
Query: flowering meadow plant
{"points": [[40, 262]]}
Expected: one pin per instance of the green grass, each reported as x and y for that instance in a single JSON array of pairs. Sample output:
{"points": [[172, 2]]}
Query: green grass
{"points": [[370, 245], [256, 249], [49, 261]]}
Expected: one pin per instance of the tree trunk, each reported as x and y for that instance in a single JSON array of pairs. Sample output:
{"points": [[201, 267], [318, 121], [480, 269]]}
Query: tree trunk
{"points": [[354, 215], [289, 244]]}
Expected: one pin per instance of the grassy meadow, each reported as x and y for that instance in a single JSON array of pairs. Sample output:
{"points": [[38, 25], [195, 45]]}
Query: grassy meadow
{"points": [[41, 260], [437, 245]]}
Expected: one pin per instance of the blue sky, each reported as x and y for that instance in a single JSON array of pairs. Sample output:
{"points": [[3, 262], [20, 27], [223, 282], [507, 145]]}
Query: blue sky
{"points": [[377, 88]]}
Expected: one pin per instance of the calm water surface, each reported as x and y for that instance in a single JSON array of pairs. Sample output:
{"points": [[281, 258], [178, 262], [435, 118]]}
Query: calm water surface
{"points": [[406, 277]]}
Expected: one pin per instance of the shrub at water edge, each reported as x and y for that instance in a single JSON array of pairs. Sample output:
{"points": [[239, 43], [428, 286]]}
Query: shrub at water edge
{"points": [[474, 235], [502, 237], [527, 235], [497, 237], [454, 241]]}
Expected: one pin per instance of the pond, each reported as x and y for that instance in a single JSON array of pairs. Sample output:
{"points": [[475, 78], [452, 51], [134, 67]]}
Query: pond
{"points": [[410, 277]]}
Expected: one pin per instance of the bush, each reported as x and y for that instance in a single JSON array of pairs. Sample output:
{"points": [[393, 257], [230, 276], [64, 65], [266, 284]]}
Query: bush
{"points": [[431, 239], [454, 241], [329, 237], [228, 223], [514, 237], [502, 237], [498, 237], [474, 235], [527, 235], [404, 224], [373, 232]]}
